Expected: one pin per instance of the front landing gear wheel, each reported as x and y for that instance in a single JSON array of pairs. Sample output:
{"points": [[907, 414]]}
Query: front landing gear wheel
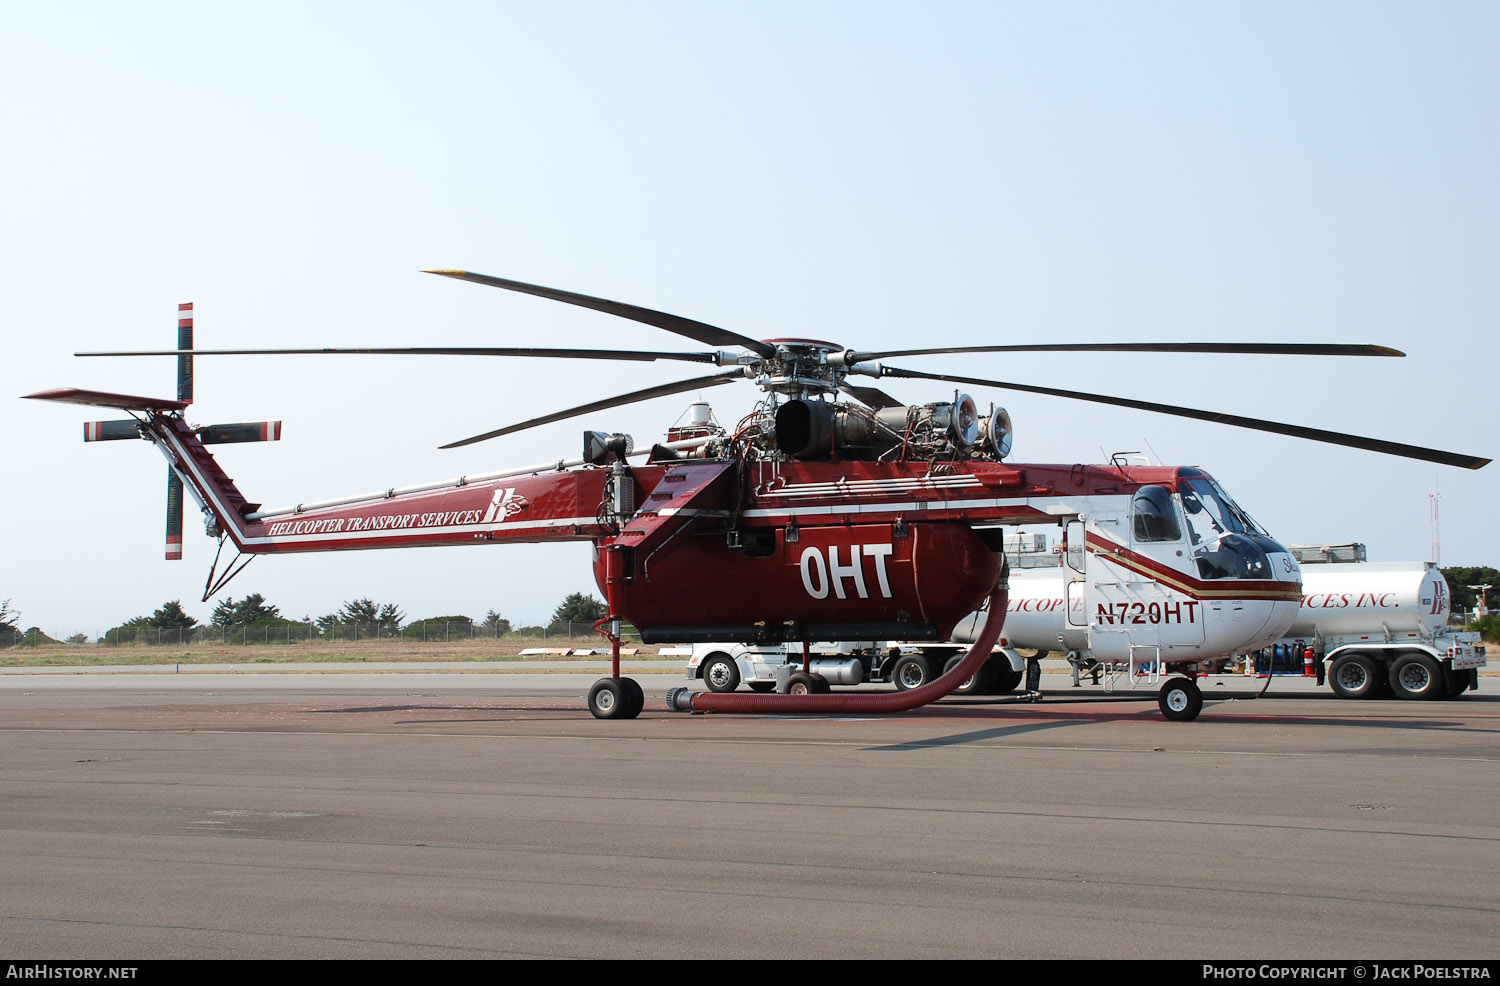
{"points": [[635, 697], [1180, 700], [616, 698]]}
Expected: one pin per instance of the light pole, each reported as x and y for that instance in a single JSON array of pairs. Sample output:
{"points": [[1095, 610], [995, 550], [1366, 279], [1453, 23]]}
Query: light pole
{"points": [[1483, 590]]}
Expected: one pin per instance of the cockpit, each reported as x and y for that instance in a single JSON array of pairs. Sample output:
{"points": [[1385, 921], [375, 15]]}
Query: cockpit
{"points": [[1223, 541]]}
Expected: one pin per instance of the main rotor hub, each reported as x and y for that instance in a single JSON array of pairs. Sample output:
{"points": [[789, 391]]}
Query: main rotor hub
{"points": [[801, 368]]}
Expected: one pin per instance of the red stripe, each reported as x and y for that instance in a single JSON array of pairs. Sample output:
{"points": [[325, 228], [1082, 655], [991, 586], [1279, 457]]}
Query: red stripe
{"points": [[1248, 588]]}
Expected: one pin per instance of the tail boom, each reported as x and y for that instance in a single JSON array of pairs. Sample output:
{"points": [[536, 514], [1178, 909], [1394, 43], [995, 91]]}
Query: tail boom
{"points": [[556, 506]]}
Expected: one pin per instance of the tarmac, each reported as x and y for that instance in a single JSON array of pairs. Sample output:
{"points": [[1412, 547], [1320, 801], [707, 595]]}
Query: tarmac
{"points": [[463, 811]]}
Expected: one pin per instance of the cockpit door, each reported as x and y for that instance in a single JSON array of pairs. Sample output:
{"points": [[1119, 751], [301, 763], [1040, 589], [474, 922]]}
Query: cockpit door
{"points": [[1075, 575]]}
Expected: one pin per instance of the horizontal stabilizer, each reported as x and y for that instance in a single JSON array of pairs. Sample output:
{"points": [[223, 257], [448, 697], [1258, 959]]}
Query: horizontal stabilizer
{"points": [[110, 431], [240, 431], [98, 398]]}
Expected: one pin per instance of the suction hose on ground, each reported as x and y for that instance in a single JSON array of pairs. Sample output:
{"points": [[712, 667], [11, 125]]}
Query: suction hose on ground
{"points": [[687, 700]]}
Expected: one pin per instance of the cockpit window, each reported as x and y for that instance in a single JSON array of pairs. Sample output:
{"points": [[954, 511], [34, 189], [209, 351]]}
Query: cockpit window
{"points": [[1227, 544], [1234, 556], [1210, 510], [1155, 517]]}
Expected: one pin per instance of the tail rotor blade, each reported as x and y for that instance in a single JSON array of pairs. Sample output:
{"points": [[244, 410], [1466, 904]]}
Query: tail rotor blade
{"points": [[174, 516], [184, 347]]}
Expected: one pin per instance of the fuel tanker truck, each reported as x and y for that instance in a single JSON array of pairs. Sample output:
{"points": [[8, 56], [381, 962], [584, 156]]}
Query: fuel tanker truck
{"points": [[1368, 629]]}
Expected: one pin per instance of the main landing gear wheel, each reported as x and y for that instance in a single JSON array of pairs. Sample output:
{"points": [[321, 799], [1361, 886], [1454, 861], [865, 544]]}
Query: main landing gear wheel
{"points": [[616, 698], [1180, 700], [635, 695], [721, 674], [802, 683]]}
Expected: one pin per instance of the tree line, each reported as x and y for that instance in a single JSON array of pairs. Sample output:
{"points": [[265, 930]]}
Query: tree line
{"points": [[575, 614]]}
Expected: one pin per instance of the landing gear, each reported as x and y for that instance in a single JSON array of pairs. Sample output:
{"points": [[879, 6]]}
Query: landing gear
{"points": [[1180, 700], [804, 683], [616, 698], [635, 696]]}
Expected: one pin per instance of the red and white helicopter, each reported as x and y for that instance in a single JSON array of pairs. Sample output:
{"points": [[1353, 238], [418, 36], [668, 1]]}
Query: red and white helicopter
{"points": [[830, 511]]}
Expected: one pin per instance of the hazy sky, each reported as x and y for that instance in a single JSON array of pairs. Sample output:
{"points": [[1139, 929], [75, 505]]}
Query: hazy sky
{"points": [[882, 175]]}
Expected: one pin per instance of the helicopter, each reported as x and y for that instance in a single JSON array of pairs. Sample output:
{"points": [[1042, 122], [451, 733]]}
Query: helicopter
{"points": [[831, 510]]}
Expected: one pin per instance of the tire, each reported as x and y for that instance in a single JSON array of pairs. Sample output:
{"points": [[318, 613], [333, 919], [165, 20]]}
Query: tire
{"points": [[635, 697], [1354, 676], [762, 686], [801, 683], [1180, 700], [911, 671], [1417, 676], [720, 673], [978, 683], [820, 684], [1006, 678], [607, 699]]}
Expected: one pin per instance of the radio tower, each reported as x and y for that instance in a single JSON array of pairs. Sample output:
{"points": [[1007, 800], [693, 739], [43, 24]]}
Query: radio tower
{"points": [[1437, 551]]}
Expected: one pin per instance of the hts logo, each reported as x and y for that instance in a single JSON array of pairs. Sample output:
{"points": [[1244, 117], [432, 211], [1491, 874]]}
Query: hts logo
{"points": [[505, 503]]}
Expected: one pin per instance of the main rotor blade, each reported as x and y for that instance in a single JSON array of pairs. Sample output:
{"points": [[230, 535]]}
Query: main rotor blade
{"points": [[662, 390], [617, 354], [1251, 348], [1218, 417], [701, 331]]}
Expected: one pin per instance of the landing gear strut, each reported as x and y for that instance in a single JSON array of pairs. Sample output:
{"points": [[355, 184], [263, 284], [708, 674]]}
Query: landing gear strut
{"points": [[615, 697]]}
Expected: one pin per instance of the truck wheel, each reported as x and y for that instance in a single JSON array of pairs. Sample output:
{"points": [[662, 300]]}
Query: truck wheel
{"points": [[762, 686], [911, 671], [1180, 700], [720, 673], [1417, 676], [1353, 676], [1006, 678], [978, 683]]}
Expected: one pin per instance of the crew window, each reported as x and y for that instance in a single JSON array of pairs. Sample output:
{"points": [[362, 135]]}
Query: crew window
{"points": [[1155, 517]]}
